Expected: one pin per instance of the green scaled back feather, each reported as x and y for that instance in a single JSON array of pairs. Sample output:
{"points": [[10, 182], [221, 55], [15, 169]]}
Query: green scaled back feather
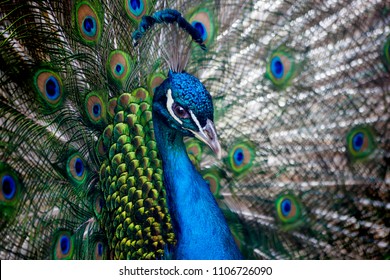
{"points": [[81, 175], [300, 93]]}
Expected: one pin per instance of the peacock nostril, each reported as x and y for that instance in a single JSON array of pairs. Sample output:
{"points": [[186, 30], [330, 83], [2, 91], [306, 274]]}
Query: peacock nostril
{"points": [[209, 134]]}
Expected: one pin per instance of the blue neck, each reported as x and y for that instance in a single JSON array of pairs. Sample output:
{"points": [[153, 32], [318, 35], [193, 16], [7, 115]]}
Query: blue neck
{"points": [[199, 225]]}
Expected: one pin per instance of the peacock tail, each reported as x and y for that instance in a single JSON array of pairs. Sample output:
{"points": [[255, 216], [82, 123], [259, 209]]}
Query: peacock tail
{"points": [[300, 92]]}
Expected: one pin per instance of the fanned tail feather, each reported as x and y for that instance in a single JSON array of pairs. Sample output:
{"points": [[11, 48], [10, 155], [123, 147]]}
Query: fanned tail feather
{"points": [[300, 90]]}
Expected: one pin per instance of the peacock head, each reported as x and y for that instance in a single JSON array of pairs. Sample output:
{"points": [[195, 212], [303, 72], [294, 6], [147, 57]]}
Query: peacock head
{"points": [[185, 105]]}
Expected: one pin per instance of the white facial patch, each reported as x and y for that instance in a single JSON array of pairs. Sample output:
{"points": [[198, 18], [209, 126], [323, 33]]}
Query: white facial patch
{"points": [[169, 106], [195, 120]]}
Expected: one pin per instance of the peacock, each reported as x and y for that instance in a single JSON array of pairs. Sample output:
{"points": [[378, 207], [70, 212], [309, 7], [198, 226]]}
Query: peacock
{"points": [[150, 129]]}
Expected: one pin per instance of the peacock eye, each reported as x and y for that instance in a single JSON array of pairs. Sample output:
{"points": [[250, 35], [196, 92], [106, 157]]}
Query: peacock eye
{"points": [[179, 111]]}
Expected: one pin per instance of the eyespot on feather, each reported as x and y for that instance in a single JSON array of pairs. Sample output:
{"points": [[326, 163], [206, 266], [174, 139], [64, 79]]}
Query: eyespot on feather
{"points": [[214, 181], [360, 142], [99, 204], [288, 209], [10, 186], [194, 148], [119, 66], [240, 158], [280, 68], [76, 169], [87, 22], [136, 9], [95, 107], [203, 21], [100, 251], [63, 245], [49, 86]]}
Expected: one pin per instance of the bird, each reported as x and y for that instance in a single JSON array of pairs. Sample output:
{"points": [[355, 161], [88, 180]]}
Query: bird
{"points": [[182, 129]]}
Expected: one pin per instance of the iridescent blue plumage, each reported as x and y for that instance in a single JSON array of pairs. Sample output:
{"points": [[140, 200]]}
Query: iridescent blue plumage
{"points": [[200, 227]]}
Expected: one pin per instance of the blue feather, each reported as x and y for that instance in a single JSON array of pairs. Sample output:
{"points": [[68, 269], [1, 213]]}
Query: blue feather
{"points": [[199, 225]]}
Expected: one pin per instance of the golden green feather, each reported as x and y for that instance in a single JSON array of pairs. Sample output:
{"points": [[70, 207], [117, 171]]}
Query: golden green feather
{"points": [[136, 217]]}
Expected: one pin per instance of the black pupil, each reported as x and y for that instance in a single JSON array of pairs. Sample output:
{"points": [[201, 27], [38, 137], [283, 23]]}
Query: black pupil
{"points": [[135, 4], [79, 166], [180, 111], [359, 140], [278, 67], [64, 245], [88, 24], [51, 87], [7, 190], [118, 68], [287, 207], [96, 109], [198, 26], [240, 156], [100, 249]]}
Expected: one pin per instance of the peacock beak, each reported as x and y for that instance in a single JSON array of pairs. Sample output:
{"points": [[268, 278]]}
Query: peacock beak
{"points": [[208, 135]]}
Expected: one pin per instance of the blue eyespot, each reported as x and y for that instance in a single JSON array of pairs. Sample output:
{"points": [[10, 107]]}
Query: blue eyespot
{"points": [[201, 29], [119, 68], [239, 156], [136, 7], [277, 67], [76, 169], [52, 88], [96, 109], [49, 86], [357, 141], [79, 167], [100, 249], [9, 187], [89, 26], [65, 244], [361, 142], [286, 207]]}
